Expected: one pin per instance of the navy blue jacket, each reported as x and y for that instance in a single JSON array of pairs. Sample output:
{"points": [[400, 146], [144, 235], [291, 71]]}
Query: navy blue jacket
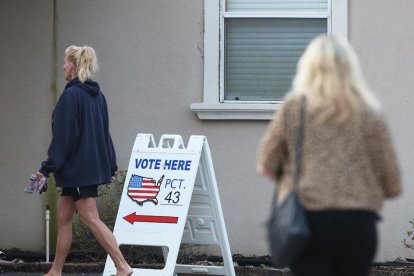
{"points": [[81, 152]]}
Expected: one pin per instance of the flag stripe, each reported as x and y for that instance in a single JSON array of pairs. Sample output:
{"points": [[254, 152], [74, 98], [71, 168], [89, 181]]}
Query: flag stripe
{"points": [[140, 196], [149, 186], [143, 191]]}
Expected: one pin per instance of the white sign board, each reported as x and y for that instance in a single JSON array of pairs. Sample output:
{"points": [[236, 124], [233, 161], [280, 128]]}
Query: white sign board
{"points": [[170, 196]]}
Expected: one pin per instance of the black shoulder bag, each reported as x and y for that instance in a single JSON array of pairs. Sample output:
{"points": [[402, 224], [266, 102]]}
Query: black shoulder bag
{"points": [[288, 230]]}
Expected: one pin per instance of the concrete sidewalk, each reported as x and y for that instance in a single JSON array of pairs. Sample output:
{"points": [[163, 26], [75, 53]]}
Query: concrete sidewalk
{"points": [[72, 269]]}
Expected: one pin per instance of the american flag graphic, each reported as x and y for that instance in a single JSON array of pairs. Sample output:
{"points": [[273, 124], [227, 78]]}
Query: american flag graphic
{"points": [[142, 189]]}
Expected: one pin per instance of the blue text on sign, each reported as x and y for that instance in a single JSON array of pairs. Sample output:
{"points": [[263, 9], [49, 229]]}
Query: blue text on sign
{"points": [[177, 165], [148, 163], [155, 164], [174, 183]]}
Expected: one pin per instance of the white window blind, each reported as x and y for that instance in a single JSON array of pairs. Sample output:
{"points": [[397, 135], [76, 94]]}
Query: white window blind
{"points": [[261, 55], [297, 6]]}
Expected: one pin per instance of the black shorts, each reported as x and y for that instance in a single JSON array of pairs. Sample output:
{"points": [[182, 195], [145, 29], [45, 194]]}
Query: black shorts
{"points": [[80, 192]]}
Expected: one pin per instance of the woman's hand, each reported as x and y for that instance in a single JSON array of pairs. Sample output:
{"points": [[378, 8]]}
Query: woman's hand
{"points": [[266, 172], [39, 175]]}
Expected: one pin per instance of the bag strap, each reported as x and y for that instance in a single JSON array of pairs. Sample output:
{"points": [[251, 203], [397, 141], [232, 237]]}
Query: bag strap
{"points": [[299, 143], [298, 149]]}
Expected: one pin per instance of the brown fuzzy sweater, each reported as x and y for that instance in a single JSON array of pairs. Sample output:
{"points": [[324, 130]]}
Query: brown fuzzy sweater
{"points": [[345, 166]]}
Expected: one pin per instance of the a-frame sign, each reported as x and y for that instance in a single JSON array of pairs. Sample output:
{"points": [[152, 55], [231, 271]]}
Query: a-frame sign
{"points": [[170, 197]]}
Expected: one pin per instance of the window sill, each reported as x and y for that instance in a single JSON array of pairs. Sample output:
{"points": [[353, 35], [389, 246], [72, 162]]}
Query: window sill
{"points": [[234, 111]]}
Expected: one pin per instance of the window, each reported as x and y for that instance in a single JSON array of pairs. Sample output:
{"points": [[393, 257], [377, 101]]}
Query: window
{"points": [[251, 48]]}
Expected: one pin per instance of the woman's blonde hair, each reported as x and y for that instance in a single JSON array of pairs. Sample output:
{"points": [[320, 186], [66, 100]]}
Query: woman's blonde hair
{"points": [[329, 73], [84, 58]]}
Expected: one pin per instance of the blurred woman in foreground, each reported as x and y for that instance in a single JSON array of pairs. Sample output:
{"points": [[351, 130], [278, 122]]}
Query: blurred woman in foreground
{"points": [[349, 165]]}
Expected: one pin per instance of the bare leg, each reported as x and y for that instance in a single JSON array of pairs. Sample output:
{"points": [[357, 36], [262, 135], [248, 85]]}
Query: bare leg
{"points": [[89, 215], [64, 239]]}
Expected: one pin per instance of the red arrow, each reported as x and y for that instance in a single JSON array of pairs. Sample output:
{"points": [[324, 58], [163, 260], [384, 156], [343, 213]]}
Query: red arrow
{"points": [[133, 217]]}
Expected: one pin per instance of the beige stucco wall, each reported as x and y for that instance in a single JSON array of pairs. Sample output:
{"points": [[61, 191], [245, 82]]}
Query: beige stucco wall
{"points": [[151, 70], [25, 106], [382, 35]]}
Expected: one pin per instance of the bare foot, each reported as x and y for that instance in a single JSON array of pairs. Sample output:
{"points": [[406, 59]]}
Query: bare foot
{"points": [[127, 271], [52, 274]]}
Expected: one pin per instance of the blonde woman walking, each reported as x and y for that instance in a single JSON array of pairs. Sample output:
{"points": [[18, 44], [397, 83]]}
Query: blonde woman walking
{"points": [[348, 161], [81, 156]]}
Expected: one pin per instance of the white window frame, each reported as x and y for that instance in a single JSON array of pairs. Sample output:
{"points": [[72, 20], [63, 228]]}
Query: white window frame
{"points": [[212, 107]]}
